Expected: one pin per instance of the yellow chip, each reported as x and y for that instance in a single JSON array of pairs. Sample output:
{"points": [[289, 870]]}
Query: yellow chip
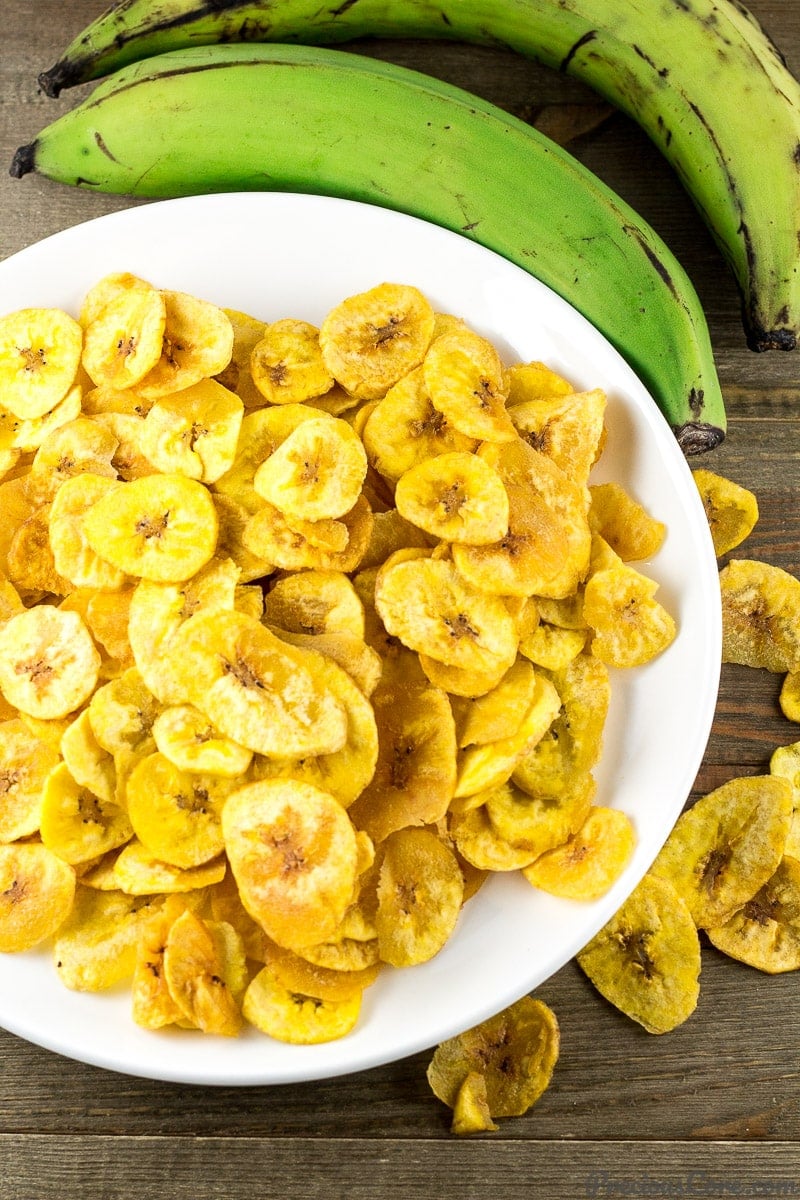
{"points": [[352, 654], [727, 845], [286, 363], [247, 332], [175, 814], [568, 429], [316, 473], [515, 1051], [186, 737], [89, 764], [534, 380], [129, 461], [139, 873], [124, 337], [80, 445], [479, 843], [37, 889], [195, 977], [623, 523], [646, 959], [732, 510], [431, 609], [114, 283], [471, 1107], [73, 557], [152, 1006], [197, 342], [372, 339], [586, 866], [553, 647], [296, 545], [541, 822], [288, 1015], [48, 662], [232, 518], [257, 690], [121, 715], [420, 893], [30, 561], [95, 948], [760, 616], [162, 527], [25, 763], [630, 626], [765, 932], [499, 712], [77, 825], [455, 496], [293, 851], [260, 435], [299, 975], [466, 383], [28, 435], [40, 352], [315, 602], [194, 432], [415, 773]]}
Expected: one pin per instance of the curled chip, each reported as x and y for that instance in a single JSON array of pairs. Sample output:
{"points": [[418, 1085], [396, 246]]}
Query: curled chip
{"points": [[727, 845], [315, 602], [590, 861], [25, 763], [316, 472], [290, 1015], [286, 363], [427, 605], [455, 496], [515, 1051], [195, 975], [37, 890], [372, 339], [175, 814], [465, 380], [77, 825], [646, 959], [760, 616], [73, 557], [160, 527], [420, 893], [630, 531], [40, 352], [186, 737], [294, 854], [48, 662], [732, 510], [765, 932], [197, 343]]}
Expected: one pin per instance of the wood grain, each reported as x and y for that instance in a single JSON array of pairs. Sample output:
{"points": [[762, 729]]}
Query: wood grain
{"points": [[712, 1109]]}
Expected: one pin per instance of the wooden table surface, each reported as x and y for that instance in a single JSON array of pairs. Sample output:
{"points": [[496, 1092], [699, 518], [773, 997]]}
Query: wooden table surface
{"points": [[712, 1109]]}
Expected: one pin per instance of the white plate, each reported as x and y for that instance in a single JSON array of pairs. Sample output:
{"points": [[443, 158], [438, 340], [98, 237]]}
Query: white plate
{"points": [[278, 255]]}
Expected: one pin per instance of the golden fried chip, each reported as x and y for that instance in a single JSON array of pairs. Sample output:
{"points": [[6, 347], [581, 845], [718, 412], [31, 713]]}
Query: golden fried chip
{"points": [[552, 646], [315, 602], [515, 1051], [499, 712], [455, 496], [247, 332], [415, 773], [326, 545], [630, 531], [646, 959], [232, 518], [431, 609], [286, 363], [186, 737], [316, 473], [535, 381], [95, 948], [25, 763], [30, 562], [760, 616], [539, 823], [727, 845], [175, 814], [140, 873], [420, 893], [80, 445], [194, 432], [161, 527], [293, 851], [465, 380], [124, 337], [477, 840], [261, 433], [372, 339], [732, 510], [289, 1015], [197, 343], [630, 626], [40, 352], [256, 689], [19, 434], [299, 975], [765, 932], [568, 429], [121, 715], [37, 889], [73, 557], [194, 972], [586, 866], [789, 698], [152, 1006], [89, 764], [75, 823], [48, 662], [471, 1107]]}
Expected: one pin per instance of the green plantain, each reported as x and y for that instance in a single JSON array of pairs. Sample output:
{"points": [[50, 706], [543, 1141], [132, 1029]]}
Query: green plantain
{"points": [[700, 76], [292, 118]]}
